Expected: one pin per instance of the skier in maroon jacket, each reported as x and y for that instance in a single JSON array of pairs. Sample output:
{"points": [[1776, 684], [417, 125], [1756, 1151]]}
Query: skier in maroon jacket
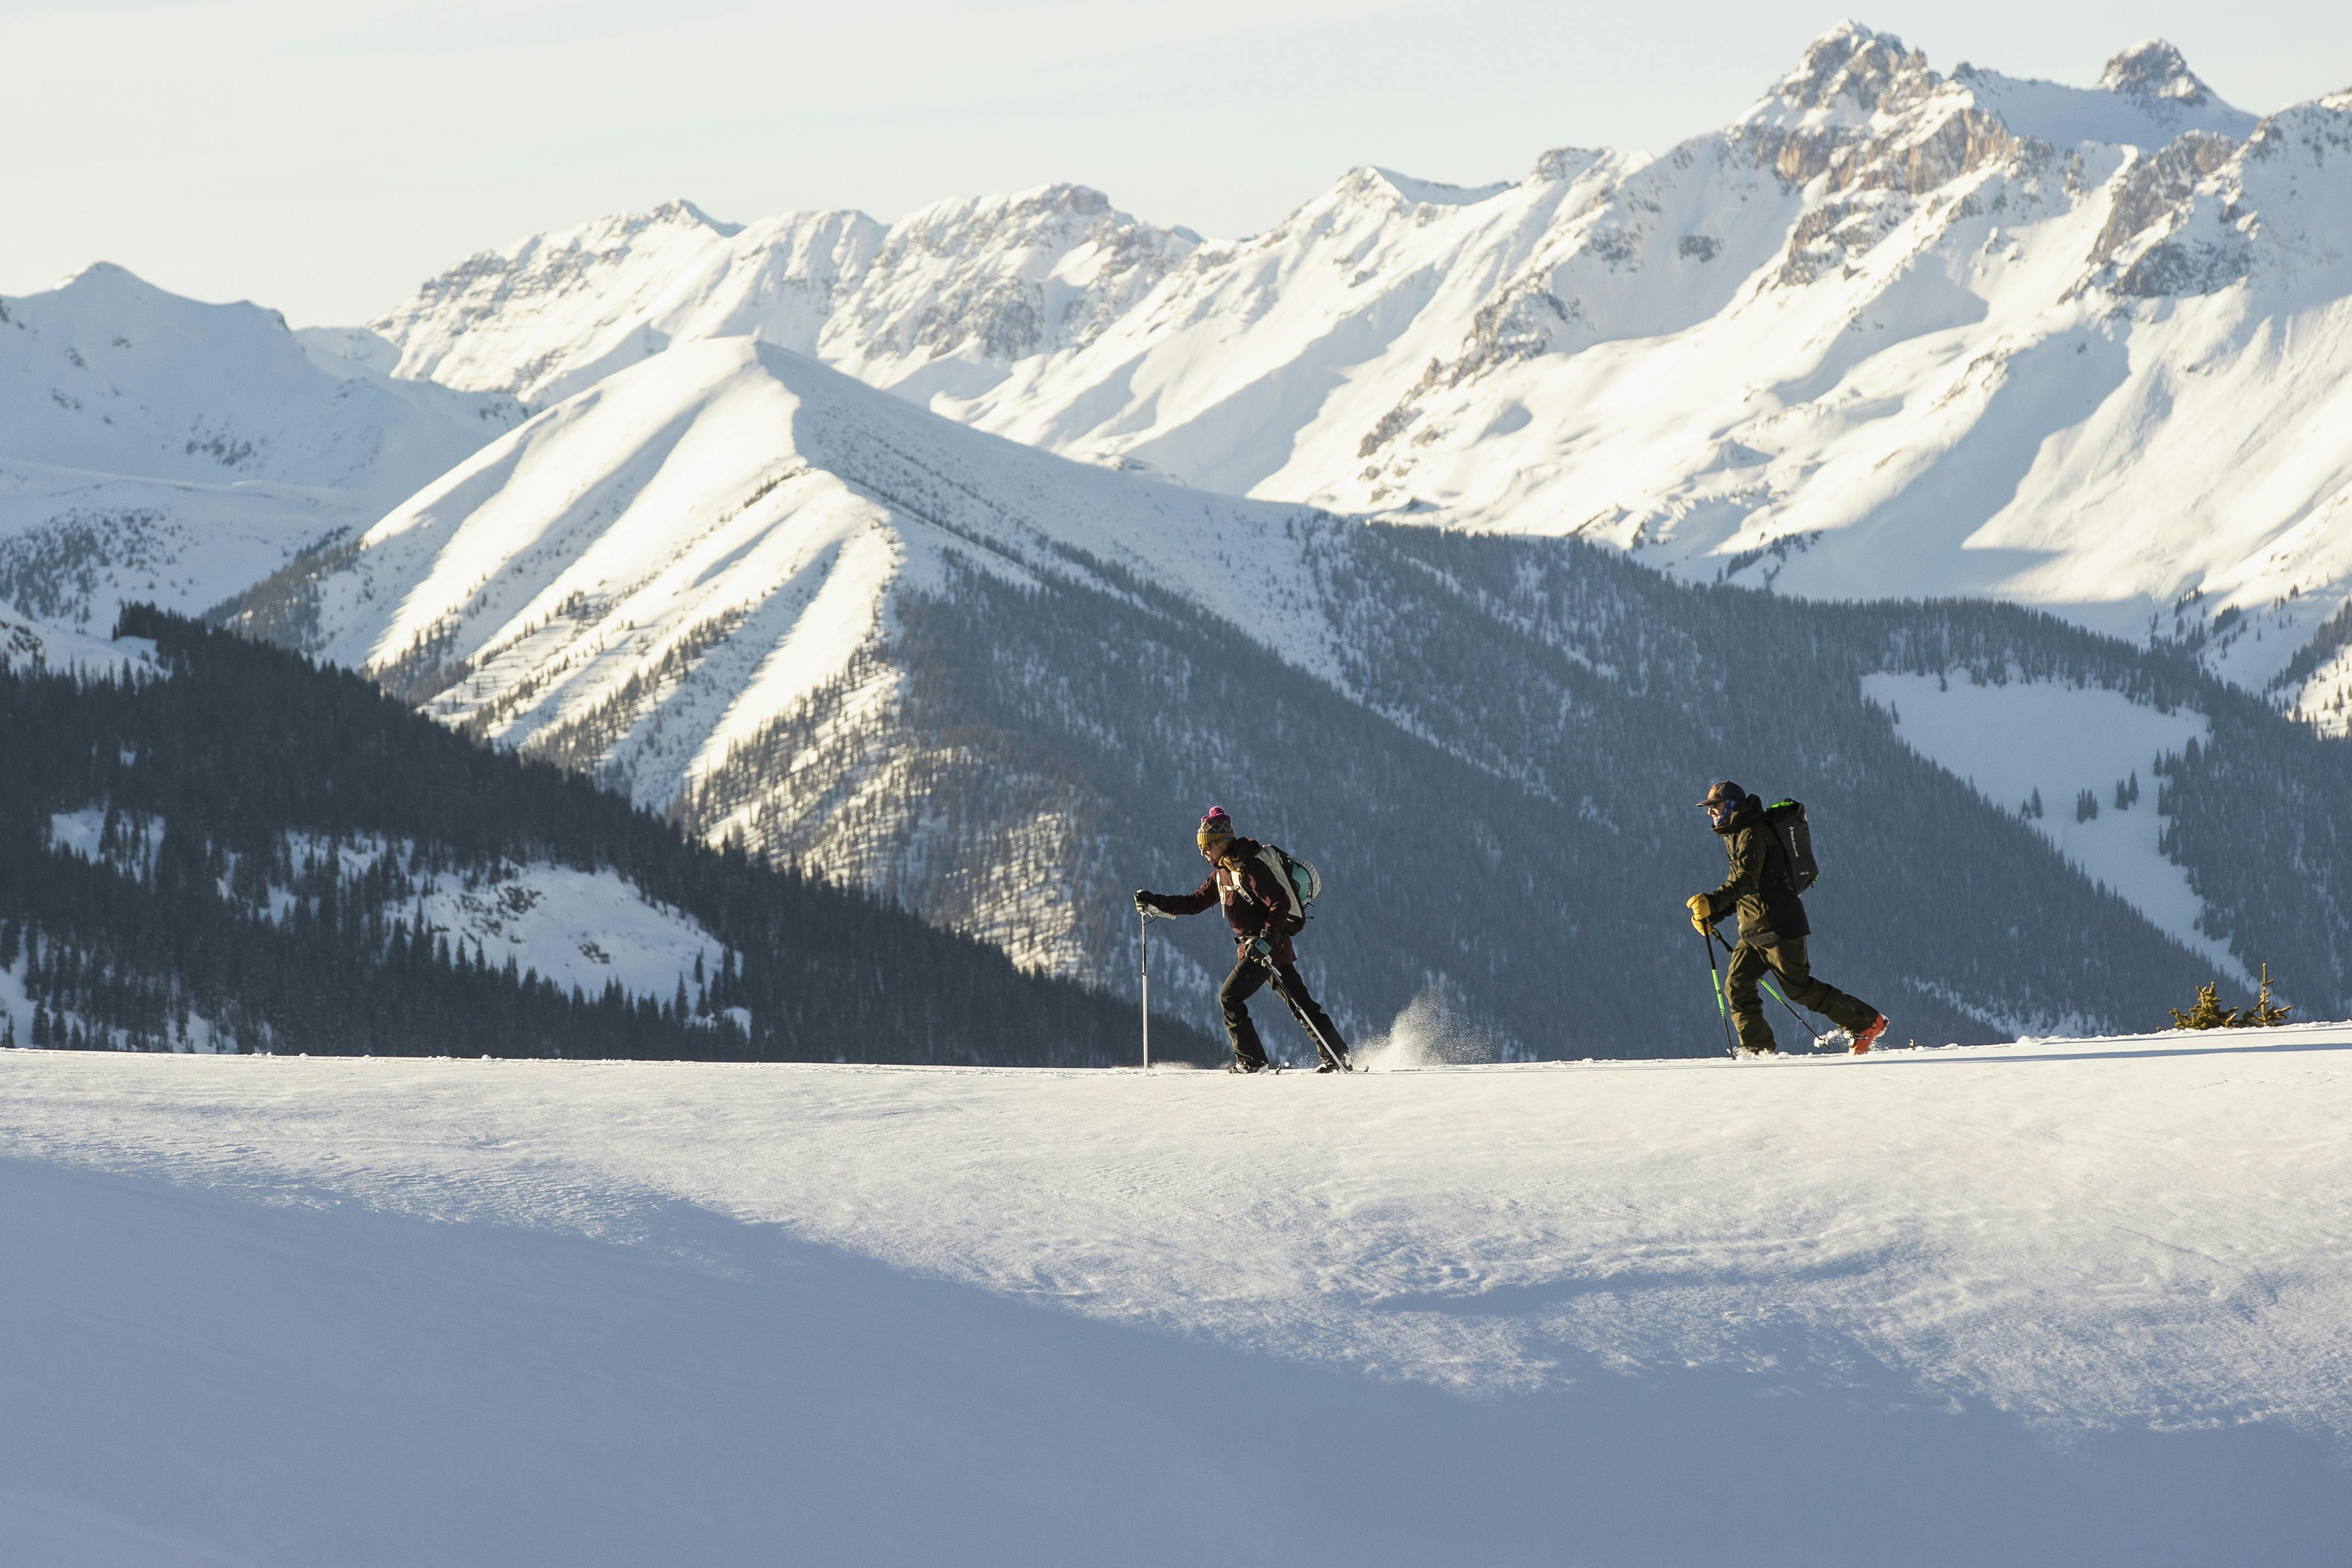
{"points": [[1264, 922]]}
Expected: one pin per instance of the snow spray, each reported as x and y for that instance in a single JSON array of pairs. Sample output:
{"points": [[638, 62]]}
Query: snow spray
{"points": [[1435, 1030]]}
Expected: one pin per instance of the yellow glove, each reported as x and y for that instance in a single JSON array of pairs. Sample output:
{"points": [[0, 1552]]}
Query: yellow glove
{"points": [[1702, 913]]}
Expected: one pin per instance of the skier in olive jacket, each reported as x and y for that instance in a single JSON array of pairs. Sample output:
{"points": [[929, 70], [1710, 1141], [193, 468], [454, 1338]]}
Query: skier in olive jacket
{"points": [[1772, 927], [1263, 926]]}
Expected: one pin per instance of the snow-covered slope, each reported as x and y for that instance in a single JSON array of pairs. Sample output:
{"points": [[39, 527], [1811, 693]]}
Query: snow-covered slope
{"points": [[2063, 1303], [1890, 334], [733, 496], [28, 643], [153, 447], [2076, 780]]}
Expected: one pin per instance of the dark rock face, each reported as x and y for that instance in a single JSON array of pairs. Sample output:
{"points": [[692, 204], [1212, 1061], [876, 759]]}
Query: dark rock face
{"points": [[1852, 64], [1565, 162], [2186, 267], [2155, 70], [1004, 315], [1875, 75], [486, 283], [1003, 310], [2157, 185]]}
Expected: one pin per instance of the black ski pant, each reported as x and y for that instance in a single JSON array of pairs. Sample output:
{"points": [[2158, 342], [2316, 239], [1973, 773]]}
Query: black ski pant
{"points": [[1234, 997], [1786, 958]]}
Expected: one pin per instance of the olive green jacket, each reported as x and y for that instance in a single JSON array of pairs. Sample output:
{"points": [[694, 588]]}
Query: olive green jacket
{"points": [[1760, 886]]}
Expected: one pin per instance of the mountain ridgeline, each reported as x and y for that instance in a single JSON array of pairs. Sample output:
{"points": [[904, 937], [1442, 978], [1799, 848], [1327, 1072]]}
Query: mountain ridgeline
{"points": [[272, 833], [1894, 331]]}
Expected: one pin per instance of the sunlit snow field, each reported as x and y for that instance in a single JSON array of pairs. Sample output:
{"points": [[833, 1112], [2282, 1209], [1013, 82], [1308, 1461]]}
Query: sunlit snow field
{"points": [[2056, 1301]]}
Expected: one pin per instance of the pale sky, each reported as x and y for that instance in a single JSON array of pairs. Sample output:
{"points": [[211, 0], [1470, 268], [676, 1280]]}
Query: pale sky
{"points": [[326, 156]]}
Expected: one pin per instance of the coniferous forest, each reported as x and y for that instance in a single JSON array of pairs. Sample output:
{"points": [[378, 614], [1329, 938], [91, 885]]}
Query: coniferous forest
{"points": [[269, 825]]}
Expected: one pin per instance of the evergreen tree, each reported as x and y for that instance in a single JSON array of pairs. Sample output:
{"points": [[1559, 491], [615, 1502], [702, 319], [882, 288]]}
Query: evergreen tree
{"points": [[2208, 1013]]}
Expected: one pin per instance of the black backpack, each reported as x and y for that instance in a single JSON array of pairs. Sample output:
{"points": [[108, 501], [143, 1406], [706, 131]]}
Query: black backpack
{"points": [[1787, 819]]}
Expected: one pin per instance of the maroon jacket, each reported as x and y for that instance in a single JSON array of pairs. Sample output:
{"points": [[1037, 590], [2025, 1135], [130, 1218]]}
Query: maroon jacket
{"points": [[1254, 906]]}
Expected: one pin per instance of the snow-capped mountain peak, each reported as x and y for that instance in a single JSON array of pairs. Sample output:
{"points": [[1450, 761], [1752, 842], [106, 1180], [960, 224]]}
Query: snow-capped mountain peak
{"points": [[2153, 69], [1858, 90], [945, 297], [108, 374], [2146, 97], [1845, 77], [158, 447], [680, 210], [550, 315]]}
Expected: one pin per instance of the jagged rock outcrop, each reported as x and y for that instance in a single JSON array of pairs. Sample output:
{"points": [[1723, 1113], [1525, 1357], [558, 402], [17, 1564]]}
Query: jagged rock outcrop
{"points": [[987, 281], [2156, 72]]}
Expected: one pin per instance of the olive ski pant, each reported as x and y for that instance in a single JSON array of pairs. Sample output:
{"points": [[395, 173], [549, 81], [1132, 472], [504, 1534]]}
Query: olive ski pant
{"points": [[1786, 959], [1234, 996]]}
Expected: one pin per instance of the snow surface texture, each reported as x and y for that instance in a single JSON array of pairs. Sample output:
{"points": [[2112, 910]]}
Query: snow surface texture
{"points": [[2056, 1302], [2031, 740], [1890, 334], [155, 448]]}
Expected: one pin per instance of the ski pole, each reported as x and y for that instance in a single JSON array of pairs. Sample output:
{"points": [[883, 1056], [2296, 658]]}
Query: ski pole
{"points": [[1143, 935], [1721, 1009], [1769, 991], [1322, 1047]]}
